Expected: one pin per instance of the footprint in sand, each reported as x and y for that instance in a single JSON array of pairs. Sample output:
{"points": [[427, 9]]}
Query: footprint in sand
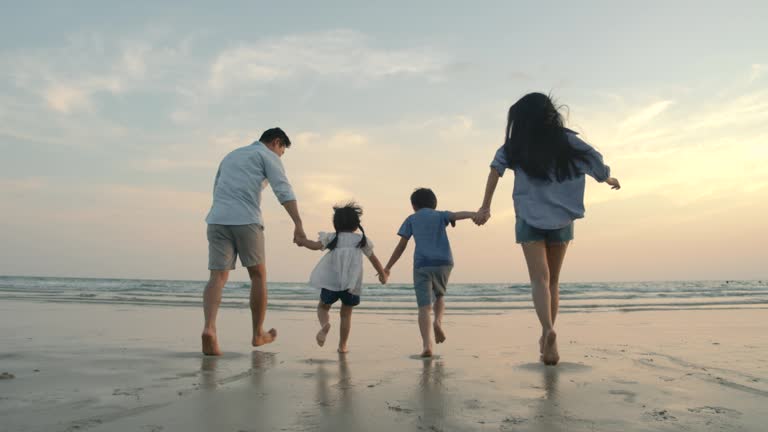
{"points": [[661, 415], [628, 395], [6, 375], [715, 410]]}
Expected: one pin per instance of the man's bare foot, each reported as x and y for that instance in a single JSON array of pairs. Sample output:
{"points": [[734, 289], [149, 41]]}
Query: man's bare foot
{"points": [[343, 349], [550, 356], [210, 343], [439, 333], [264, 338], [322, 334]]}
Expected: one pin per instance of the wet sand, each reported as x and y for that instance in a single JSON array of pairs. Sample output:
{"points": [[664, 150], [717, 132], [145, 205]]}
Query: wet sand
{"points": [[74, 367]]}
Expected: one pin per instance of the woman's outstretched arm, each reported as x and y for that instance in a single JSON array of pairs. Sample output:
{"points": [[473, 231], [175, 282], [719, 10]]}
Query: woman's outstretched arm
{"points": [[484, 213]]}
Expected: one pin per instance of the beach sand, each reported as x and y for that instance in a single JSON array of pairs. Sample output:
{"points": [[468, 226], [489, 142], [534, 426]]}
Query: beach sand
{"points": [[74, 367]]}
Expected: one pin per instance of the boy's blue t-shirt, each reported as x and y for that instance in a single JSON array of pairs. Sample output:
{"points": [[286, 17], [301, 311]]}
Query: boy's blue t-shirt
{"points": [[427, 226]]}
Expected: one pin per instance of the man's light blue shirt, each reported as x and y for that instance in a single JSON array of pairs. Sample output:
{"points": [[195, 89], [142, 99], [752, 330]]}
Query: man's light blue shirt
{"points": [[239, 181]]}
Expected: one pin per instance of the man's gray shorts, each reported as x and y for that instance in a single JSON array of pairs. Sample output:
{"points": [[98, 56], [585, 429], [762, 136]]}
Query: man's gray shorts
{"points": [[226, 242], [430, 283]]}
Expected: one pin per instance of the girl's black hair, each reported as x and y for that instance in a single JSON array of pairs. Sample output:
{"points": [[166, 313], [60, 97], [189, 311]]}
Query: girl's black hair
{"points": [[346, 218], [536, 140]]}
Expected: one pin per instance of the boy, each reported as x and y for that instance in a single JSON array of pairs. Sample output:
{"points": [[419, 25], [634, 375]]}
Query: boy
{"points": [[432, 260]]}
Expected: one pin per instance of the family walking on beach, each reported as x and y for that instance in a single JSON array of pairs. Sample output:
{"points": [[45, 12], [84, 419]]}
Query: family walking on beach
{"points": [[549, 161]]}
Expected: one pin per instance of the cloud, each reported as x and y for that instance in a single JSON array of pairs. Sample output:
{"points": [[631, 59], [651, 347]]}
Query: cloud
{"points": [[756, 72], [339, 53], [643, 116], [174, 164]]}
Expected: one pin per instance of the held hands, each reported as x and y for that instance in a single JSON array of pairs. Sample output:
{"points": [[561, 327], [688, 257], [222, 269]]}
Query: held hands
{"points": [[613, 182], [299, 237], [482, 216], [383, 276]]}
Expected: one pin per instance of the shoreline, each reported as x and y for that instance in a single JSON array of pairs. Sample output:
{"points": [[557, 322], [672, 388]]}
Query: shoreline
{"points": [[115, 368]]}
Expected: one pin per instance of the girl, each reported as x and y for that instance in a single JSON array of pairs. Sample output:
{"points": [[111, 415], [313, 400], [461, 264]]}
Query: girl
{"points": [[549, 162], [339, 274]]}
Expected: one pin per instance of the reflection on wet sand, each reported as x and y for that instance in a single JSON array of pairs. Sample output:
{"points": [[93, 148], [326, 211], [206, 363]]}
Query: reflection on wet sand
{"points": [[432, 395], [549, 415], [336, 399]]}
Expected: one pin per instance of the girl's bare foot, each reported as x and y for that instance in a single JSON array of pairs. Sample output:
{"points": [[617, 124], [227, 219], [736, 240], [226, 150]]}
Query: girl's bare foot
{"points": [[343, 349], [439, 333], [541, 344], [322, 334], [264, 338], [210, 343], [426, 353], [550, 356]]}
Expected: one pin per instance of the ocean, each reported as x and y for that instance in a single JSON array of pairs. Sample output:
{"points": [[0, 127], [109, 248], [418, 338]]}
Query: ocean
{"points": [[398, 298]]}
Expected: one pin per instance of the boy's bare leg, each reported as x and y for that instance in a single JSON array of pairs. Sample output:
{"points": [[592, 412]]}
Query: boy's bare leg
{"points": [[426, 335], [325, 322], [258, 274], [211, 302], [555, 258], [345, 327], [439, 308], [538, 270]]}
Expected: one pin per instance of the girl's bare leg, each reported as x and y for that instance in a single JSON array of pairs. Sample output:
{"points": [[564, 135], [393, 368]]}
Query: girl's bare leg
{"points": [[325, 322], [346, 326]]}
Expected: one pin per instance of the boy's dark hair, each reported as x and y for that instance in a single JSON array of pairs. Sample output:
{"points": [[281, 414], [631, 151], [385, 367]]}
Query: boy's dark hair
{"points": [[346, 218], [424, 198], [271, 134]]}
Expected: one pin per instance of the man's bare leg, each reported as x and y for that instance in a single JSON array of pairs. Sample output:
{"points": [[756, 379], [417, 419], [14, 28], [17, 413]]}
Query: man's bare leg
{"points": [[426, 335], [211, 302], [325, 322], [538, 270], [439, 308], [346, 326], [258, 274]]}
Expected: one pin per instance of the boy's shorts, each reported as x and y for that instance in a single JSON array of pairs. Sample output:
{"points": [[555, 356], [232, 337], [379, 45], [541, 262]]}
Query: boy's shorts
{"points": [[226, 242], [430, 283], [347, 299], [525, 233]]}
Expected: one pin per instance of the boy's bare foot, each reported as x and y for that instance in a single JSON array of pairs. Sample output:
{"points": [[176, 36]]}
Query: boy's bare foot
{"points": [[439, 334], [210, 343], [264, 338], [343, 349], [550, 356], [322, 334]]}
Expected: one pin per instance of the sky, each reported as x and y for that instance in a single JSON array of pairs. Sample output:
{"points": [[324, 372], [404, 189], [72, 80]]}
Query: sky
{"points": [[114, 117]]}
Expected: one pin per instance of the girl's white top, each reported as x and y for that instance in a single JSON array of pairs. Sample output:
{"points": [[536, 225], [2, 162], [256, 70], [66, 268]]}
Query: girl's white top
{"points": [[342, 268]]}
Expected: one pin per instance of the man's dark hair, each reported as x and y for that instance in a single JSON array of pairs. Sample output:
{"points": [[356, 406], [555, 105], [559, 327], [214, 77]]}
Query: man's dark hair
{"points": [[271, 134], [423, 198]]}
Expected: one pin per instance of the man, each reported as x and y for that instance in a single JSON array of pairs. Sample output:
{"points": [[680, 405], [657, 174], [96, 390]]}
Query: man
{"points": [[235, 227]]}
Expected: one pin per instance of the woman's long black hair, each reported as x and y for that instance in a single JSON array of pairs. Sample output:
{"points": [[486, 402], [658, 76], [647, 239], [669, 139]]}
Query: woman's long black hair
{"points": [[536, 140], [346, 218]]}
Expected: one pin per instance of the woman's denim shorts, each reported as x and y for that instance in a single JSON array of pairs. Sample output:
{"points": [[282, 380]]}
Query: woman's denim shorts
{"points": [[524, 233]]}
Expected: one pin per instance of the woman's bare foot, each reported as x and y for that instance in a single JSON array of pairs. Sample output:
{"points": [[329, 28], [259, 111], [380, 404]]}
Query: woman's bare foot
{"points": [[343, 349], [264, 338], [550, 356], [426, 353], [210, 343], [439, 333], [322, 334]]}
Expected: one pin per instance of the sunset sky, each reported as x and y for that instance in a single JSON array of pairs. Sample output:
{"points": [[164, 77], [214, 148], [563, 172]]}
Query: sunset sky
{"points": [[114, 117]]}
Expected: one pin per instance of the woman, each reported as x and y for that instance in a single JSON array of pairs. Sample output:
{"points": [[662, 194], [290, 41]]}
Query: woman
{"points": [[549, 162]]}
